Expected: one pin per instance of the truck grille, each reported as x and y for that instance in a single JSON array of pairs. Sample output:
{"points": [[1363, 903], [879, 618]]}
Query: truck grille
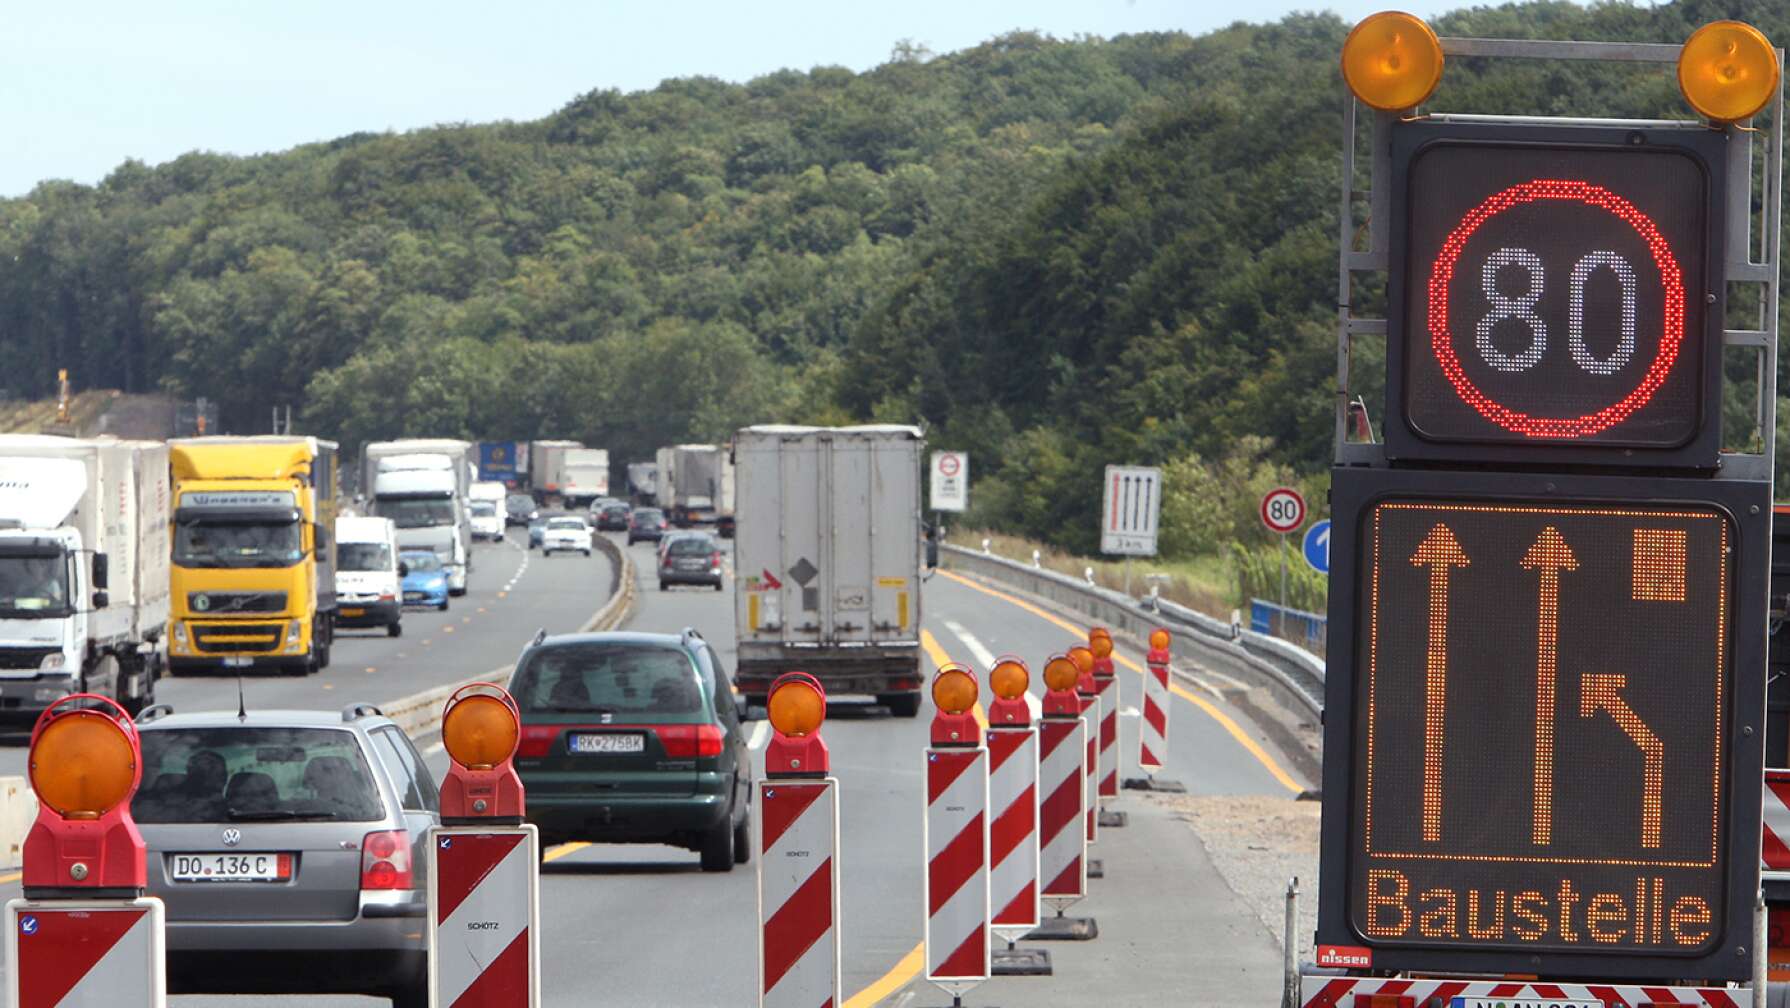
{"points": [[214, 603], [240, 637], [24, 658]]}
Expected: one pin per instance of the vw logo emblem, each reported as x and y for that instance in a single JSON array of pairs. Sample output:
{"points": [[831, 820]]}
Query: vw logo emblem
{"points": [[232, 837], [201, 602]]}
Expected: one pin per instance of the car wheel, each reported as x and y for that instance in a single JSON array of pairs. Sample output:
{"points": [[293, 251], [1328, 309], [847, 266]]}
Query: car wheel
{"points": [[394, 629], [717, 847], [444, 603], [411, 995], [742, 841], [717, 586], [904, 705], [664, 587], [587, 552]]}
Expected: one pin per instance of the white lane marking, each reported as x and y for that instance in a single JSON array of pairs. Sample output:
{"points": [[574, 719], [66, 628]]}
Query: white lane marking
{"points": [[761, 733], [986, 659], [1129, 711], [1217, 694], [521, 568]]}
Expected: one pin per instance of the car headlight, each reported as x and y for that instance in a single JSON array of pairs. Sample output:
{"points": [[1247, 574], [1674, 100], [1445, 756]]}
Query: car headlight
{"points": [[52, 662], [293, 631]]}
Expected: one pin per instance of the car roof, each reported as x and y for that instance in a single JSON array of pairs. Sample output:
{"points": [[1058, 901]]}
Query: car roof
{"points": [[613, 637], [277, 718]]}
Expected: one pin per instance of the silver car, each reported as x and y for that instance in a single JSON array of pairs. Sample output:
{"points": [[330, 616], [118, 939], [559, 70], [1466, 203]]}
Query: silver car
{"points": [[287, 846]]}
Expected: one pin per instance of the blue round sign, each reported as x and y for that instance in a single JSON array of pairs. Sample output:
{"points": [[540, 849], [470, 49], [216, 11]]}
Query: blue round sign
{"points": [[1317, 546]]}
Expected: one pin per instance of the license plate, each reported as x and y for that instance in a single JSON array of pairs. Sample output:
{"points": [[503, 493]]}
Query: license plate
{"points": [[608, 743], [1461, 1001], [413, 596], [238, 662], [254, 867], [692, 565], [354, 612]]}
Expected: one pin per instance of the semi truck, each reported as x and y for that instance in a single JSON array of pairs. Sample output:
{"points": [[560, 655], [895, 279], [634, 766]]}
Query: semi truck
{"points": [[503, 462], [423, 485], [643, 481], [689, 483], [586, 476], [547, 468], [253, 574], [827, 560], [83, 571]]}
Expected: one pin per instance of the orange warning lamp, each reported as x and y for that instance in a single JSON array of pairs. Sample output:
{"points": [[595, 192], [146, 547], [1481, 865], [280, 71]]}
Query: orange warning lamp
{"points": [[1084, 664], [1060, 678], [85, 764], [796, 706], [1392, 61], [954, 691], [1159, 642], [1100, 642], [480, 728], [1009, 679], [1728, 70]]}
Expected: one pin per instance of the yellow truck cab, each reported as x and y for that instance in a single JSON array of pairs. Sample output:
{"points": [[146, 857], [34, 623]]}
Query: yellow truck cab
{"points": [[253, 572]]}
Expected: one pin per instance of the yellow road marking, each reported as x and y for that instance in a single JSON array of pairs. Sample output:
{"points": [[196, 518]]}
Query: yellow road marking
{"points": [[1224, 720], [11, 877], [481, 609], [371, 670], [892, 981], [445, 629], [558, 851]]}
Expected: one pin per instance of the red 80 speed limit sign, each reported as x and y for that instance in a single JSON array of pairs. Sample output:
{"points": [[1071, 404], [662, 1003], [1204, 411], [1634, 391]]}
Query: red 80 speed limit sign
{"points": [[1283, 510]]}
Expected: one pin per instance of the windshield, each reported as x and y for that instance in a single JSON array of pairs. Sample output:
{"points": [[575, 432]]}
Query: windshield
{"points": [[421, 561], [205, 542], [250, 774], [417, 512], [484, 509], [627, 680], [648, 515], [363, 557], [34, 585], [566, 523]]}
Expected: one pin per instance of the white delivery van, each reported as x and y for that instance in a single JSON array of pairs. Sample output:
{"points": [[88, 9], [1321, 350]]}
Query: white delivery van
{"points": [[368, 593], [486, 503]]}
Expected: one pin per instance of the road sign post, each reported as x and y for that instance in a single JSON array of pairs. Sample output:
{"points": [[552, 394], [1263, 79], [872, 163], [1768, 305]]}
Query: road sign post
{"points": [[1131, 508], [484, 895], [1013, 820], [84, 933], [1062, 804], [798, 853], [1283, 511]]}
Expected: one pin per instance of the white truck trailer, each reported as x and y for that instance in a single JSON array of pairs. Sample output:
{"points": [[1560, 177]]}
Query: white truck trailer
{"points": [[689, 483], [83, 570], [827, 559], [547, 468], [586, 476], [424, 486]]}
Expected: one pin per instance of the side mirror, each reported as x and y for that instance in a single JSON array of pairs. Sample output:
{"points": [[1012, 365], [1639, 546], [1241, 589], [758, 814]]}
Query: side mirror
{"points": [[101, 599], [101, 567], [403, 569]]}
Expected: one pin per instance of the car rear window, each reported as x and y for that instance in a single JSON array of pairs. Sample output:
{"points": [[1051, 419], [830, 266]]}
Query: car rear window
{"points": [[566, 523], [623, 679], [690, 546], [254, 774]]}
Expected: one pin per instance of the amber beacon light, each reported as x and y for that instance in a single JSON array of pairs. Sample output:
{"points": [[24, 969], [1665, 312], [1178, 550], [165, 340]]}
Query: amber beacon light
{"points": [[1728, 70], [83, 765], [1392, 61]]}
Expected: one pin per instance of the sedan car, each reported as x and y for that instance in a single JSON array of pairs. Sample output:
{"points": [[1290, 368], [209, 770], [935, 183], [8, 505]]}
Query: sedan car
{"points": [[566, 533], [634, 738], [286, 848], [425, 579], [613, 518], [690, 558], [646, 525]]}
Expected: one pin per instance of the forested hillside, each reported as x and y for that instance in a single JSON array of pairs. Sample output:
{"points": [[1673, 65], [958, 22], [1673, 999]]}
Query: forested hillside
{"points": [[1055, 254]]}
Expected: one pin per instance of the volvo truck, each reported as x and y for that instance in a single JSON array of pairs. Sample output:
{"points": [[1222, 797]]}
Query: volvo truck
{"points": [[423, 485], [827, 560], [253, 575]]}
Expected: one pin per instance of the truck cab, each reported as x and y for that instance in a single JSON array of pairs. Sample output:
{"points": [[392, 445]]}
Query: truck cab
{"points": [[425, 506]]}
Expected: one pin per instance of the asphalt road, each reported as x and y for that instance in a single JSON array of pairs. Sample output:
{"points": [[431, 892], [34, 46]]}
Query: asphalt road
{"points": [[642, 926]]}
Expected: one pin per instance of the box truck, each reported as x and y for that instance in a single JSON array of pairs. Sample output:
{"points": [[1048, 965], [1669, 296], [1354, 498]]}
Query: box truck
{"points": [[503, 462], [586, 476], [643, 481], [83, 571], [253, 574], [547, 468], [690, 483], [827, 559], [423, 485]]}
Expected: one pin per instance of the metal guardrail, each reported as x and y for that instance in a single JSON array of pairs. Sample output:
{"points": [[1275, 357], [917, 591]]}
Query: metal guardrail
{"points": [[1295, 670]]}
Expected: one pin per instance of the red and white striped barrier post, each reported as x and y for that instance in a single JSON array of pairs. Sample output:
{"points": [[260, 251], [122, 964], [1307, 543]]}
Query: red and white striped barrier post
{"points": [[956, 836], [1062, 804], [798, 853], [1106, 685], [1089, 696], [483, 862], [1013, 819], [85, 934], [1152, 729]]}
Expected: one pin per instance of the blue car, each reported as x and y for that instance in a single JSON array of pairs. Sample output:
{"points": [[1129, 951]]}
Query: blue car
{"points": [[425, 580]]}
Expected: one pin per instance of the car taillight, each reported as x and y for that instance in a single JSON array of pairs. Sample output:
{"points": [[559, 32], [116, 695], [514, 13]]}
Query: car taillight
{"points": [[536, 740], [387, 597], [715, 560], [385, 860], [690, 741]]}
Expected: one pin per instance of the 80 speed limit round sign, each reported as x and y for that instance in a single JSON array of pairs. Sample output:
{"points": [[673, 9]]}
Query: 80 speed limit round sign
{"points": [[1283, 510]]}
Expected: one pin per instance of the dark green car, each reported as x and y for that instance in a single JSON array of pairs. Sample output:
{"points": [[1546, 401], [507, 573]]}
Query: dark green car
{"points": [[634, 738]]}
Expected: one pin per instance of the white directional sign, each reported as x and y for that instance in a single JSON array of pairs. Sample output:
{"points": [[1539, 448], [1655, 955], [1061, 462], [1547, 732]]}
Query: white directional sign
{"points": [[1133, 505], [950, 481]]}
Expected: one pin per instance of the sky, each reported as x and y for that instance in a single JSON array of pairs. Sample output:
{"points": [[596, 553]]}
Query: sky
{"points": [[87, 85]]}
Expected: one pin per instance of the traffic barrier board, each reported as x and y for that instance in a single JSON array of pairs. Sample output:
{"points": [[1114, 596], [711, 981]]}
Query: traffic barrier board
{"points": [[85, 953], [1152, 732], [1013, 830], [798, 893], [1774, 838], [956, 881], [484, 914], [1062, 789], [1343, 992]]}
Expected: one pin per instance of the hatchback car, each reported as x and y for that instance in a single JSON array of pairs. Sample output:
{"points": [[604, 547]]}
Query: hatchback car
{"points": [[634, 738], [286, 847], [613, 518], [425, 579], [646, 524], [691, 558], [518, 509], [566, 533]]}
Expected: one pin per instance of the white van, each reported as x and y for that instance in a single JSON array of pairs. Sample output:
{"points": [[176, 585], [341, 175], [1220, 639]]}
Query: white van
{"points": [[487, 506], [368, 593]]}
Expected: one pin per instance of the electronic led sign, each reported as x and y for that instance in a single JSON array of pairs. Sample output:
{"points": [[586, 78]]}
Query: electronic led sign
{"points": [[1553, 292], [1541, 695]]}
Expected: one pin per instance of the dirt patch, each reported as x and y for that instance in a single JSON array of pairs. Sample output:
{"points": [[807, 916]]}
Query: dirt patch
{"points": [[1257, 844]]}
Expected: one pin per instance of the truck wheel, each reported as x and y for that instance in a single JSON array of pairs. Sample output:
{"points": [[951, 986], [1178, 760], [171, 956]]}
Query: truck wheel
{"points": [[717, 847], [904, 705], [322, 653]]}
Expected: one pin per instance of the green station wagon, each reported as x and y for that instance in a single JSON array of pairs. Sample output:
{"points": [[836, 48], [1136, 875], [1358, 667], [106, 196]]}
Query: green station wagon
{"points": [[634, 738]]}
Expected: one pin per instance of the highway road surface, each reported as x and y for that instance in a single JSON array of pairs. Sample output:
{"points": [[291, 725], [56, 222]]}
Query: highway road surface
{"points": [[641, 926]]}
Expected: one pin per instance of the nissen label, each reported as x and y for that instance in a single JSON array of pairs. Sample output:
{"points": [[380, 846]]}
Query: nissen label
{"points": [[239, 499]]}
